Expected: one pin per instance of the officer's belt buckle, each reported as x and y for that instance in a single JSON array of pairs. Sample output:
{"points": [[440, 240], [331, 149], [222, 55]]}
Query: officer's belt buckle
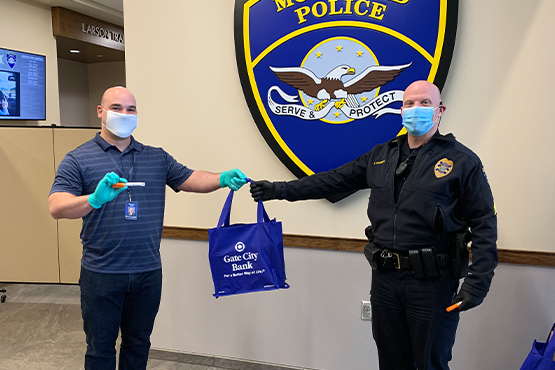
{"points": [[396, 262], [387, 254]]}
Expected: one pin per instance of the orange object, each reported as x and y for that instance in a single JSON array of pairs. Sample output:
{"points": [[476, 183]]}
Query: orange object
{"points": [[119, 185], [453, 307]]}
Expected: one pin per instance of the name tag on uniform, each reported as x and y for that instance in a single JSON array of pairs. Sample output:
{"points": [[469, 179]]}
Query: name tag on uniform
{"points": [[131, 210]]}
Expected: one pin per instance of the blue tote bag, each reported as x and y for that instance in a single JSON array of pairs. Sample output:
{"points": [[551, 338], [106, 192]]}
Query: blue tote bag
{"points": [[246, 258], [542, 355]]}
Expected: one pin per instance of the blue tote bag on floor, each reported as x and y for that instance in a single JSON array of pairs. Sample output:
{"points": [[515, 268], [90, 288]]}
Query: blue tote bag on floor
{"points": [[542, 355], [246, 258]]}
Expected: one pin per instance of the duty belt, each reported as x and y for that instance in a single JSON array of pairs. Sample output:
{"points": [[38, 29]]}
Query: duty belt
{"points": [[423, 262]]}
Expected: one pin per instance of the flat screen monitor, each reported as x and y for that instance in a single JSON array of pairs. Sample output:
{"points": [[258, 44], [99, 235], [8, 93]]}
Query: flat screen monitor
{"points": [[22, 86]]}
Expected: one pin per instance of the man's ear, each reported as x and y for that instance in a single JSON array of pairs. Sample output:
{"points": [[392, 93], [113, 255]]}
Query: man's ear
{"points": [[442, 109]]}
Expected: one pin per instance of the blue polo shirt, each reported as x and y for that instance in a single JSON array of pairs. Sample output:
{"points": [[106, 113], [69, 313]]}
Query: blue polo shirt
{"points": [[111, 243]]}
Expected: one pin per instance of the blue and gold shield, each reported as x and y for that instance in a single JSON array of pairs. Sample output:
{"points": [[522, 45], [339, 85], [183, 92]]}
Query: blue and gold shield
{"points": [[324, 80]]}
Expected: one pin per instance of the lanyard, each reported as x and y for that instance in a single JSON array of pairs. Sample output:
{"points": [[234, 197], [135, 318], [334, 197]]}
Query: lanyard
{"points": [[122, 169]]}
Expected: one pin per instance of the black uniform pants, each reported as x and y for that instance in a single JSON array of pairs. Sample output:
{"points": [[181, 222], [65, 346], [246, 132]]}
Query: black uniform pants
{"points": [[411, 328]]}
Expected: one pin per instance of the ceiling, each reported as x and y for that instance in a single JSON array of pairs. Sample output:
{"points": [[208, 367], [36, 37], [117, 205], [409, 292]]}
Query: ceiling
{"points": [[107, 10], [88, 53]]}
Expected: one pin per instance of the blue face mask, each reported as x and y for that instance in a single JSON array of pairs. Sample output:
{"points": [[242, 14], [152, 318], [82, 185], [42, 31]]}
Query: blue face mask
{"points": [[418, 120]]}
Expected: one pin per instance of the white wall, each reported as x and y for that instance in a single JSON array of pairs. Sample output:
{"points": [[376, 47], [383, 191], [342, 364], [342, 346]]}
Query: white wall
{"points": [[498, 97], [102, 76], [81, 87], [74, 93], [316, 322], [28, 27]]}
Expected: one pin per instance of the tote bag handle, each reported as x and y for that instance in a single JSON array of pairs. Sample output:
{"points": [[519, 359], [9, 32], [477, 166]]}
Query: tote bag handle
{"points": [[261, 215]]}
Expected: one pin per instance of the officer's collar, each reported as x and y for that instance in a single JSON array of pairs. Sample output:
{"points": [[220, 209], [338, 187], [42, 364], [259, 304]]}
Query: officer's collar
{"points": [[447, 137], [401, 139]]}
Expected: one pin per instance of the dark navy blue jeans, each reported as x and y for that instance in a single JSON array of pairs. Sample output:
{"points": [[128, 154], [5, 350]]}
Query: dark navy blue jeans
{"points": [[410, 325], [113, 301]]}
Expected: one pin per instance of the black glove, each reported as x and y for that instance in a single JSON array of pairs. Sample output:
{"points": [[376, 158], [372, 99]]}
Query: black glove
{"points": [[468, 301], [264, 189]]}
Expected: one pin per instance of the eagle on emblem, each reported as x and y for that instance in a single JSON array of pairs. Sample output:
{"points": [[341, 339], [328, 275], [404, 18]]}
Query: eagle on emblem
{"points": [[330, 87]]}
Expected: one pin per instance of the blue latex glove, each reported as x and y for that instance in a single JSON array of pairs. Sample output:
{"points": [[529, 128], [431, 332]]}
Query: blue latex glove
{"points": [[233, 179], [104, 192]]}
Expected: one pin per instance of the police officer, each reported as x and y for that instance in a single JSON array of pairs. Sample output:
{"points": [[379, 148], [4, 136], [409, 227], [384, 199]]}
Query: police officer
{"points": [[427, 191]]}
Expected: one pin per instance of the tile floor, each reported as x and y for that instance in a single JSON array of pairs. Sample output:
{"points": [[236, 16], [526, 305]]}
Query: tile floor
{"points": [[41, 329]]}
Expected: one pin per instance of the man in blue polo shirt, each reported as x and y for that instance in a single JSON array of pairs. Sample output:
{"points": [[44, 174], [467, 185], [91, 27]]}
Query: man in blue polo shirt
{"points": [[121, 276]]}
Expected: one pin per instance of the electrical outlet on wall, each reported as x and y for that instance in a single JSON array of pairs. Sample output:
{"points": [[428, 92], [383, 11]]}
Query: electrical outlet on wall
{"points": [[366, 310]]}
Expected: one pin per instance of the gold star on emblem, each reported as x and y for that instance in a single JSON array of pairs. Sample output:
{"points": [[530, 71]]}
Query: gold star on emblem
{"points": [[339, 47], [363, 98], [318, 55], [336, 114], [310, 101], [359, 53]]}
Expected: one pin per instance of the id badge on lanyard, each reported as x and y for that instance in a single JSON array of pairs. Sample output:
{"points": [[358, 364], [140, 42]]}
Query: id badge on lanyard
{"points": [[131, 208]]}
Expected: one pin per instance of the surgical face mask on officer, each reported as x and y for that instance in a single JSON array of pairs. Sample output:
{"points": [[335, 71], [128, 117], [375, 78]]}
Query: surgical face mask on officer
{"points": [[119, 124], [418, 120]]}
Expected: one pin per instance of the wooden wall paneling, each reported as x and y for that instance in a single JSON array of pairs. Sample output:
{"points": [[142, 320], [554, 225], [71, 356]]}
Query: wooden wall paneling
{"points": [[522, 257], [28, 238]]}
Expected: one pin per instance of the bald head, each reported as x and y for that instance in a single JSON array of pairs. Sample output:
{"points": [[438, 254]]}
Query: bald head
{"points": [[117, 99], [116, 93], [419, 91]]}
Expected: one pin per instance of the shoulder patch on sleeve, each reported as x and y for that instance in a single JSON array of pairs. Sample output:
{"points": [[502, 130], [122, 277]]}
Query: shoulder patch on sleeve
{"points": [[484, 173]]}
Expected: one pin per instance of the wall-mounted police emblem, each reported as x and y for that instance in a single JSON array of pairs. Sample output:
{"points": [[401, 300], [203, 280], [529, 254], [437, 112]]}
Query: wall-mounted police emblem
{"points": [[324, 80], [443, 167], [349, 98], [11, 59]]}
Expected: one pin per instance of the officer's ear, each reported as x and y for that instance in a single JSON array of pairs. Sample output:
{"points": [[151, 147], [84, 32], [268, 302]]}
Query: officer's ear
{"points": [[440, 110]]}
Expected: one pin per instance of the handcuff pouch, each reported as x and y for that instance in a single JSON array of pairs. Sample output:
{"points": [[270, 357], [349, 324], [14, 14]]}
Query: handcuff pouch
{"points": [[416, 263], [429, 262]]}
